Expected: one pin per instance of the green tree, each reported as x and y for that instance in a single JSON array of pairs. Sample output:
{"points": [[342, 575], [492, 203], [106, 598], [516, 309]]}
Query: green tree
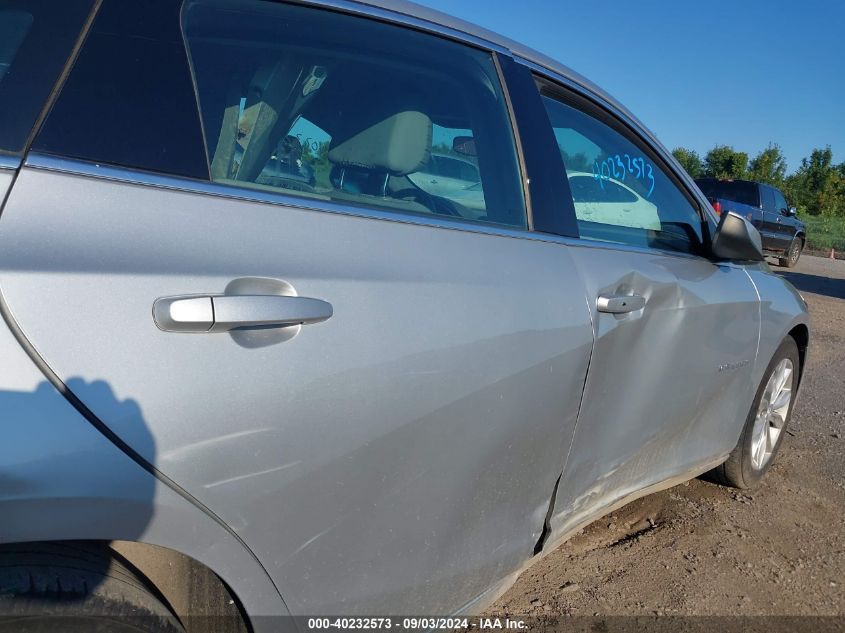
{"points": [[818, 186], [723, 161], [576, 162], [689, 160], [769, 166]]}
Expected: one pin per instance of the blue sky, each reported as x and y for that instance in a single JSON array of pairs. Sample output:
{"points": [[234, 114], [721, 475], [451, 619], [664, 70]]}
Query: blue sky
{"points": [[742, 72]]}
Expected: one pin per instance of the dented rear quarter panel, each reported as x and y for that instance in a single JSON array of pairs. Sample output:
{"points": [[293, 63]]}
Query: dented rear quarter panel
{"points": [[61, 479]]}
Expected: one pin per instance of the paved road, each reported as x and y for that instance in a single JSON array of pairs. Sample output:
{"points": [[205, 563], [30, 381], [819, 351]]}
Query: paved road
{"points": [[701, 549]]}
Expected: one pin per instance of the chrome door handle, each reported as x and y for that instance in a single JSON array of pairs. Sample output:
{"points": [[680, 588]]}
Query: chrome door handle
{"points": [[235, 311], [620, 304], [221, 313]]}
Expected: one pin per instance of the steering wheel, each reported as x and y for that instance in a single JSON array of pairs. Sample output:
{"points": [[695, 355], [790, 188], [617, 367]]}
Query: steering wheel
{"points": [[433, 203]]}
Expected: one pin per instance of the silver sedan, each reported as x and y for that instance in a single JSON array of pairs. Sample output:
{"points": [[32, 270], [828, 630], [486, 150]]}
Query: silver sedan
{"points": [[340, 392]]}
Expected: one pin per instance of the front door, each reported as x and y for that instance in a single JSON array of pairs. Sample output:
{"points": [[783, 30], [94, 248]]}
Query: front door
{"points": [[669, 383]]}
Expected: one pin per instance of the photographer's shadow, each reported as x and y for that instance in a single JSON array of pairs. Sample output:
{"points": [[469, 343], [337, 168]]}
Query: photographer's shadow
{"points": [[66, 490]]}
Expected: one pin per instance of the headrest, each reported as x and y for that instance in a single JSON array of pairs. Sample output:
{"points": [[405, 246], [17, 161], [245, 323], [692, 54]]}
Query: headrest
{"points": [[383, 130]]}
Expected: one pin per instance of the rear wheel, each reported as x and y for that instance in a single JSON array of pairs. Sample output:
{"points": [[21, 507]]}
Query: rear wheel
{"points": [[793, 253], [765, 426], [77, 587]]}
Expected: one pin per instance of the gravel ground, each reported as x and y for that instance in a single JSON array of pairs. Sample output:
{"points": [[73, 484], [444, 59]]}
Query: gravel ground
{"points": [[701, 549]]}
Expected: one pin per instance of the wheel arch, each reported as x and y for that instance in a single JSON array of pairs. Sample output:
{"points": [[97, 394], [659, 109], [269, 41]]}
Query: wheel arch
{"points": [[801, 335], [190, 588], [198, 597], [63, 480]]}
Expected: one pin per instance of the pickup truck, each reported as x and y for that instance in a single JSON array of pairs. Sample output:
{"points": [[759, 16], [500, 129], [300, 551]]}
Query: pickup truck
{"points": [[783, 234]]}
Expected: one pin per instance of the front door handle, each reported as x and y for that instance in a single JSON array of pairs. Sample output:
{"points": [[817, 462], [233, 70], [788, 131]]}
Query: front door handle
{"points": [[222, 313], [620, 304]]}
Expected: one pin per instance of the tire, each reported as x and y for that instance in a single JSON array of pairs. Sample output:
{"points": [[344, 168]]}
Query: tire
{"points": [[745, 467], [793, 253], [76, 587]]}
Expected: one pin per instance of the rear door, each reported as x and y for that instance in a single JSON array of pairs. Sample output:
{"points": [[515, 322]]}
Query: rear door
{"points": [[676, 334], [399, 453]]}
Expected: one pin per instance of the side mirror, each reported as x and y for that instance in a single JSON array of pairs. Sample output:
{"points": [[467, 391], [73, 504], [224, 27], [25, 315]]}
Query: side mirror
{"points": [[791, 211], [737, 239], [464, 145]]}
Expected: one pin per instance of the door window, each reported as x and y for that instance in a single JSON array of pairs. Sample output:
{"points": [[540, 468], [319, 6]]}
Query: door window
{"points": [[327, 106], [129, 99], [621, 194], [780, 203], [36, 37], [767, 199], [14, 25]]}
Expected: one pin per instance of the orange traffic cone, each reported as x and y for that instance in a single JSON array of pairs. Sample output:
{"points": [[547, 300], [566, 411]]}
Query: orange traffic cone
{"points": [[832, 254]]}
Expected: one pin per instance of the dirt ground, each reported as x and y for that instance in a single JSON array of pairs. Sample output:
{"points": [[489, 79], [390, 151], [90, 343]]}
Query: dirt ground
{"points": [[702, 549]]}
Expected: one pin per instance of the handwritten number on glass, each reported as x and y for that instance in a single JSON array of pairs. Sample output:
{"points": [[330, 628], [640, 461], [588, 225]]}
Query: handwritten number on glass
{"points": [[614, 167]]}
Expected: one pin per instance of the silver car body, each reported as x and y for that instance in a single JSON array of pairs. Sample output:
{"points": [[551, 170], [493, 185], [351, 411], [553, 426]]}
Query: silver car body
{"points": [[403, 456]]}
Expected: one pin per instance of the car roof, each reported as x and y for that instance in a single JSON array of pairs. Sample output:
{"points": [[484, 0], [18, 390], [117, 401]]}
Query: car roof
{"points": [[494, 40], [739, 180]]}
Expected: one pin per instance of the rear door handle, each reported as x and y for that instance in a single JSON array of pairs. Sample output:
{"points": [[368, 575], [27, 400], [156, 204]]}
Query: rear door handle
{"points": [[221, 313], [620, 304]]}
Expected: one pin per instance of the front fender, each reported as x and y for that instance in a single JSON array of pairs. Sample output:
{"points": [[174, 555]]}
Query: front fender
{"points": [[782, 310]]}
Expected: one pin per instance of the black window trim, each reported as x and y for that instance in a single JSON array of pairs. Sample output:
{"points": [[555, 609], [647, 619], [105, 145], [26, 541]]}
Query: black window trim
{"points": [[517, 139], [546, 187]]}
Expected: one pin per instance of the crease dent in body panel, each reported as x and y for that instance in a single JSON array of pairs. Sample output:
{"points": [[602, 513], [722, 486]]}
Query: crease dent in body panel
{"points": [[547, 523], [547, 526]]}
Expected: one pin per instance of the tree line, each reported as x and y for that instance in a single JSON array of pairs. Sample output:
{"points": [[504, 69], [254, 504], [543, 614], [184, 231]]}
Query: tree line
{"points": [[817, 187]]}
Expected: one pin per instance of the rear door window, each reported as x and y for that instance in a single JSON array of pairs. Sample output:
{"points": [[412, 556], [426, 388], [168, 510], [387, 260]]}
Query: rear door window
{"points": [[36, 38], [326, 106]]}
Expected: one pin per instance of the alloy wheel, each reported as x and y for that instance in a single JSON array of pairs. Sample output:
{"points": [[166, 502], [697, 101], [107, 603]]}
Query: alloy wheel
{"points": [[771, 414], [794, 251]]}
